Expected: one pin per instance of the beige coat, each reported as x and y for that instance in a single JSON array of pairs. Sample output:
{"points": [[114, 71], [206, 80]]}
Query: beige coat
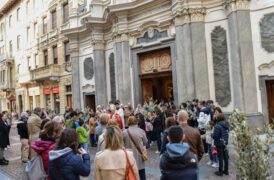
{"points": [[140, 139], [111, 165], [34, 124]]}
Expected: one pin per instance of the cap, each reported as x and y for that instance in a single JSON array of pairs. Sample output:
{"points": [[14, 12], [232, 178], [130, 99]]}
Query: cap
{"points": [[24, 117]]}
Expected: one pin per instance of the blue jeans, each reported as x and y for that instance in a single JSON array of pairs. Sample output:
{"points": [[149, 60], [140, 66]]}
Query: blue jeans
{"points": [[211, 157], [92, 139], [84, 146], [142, 174]]}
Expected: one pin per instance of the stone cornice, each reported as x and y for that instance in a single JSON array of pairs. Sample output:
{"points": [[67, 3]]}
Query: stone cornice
{"points": [[188, 15], [236, 5], [97, 41]]}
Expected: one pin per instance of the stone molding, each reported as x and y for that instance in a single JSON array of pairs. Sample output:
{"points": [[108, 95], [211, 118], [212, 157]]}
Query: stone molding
{"points": [[97, 41], [236, 5], [189, 15]]}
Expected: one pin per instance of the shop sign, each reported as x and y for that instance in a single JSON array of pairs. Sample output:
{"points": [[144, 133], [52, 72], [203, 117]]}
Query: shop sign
{"points": [[34, 91], [55, 90], [47, 91]]}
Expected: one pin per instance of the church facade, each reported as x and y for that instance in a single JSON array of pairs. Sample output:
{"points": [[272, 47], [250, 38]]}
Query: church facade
{"points": [[174, 49]]}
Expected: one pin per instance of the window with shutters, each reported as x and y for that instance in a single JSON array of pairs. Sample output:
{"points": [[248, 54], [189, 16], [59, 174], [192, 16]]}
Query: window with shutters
{"points": [[45, 29], [10, 48], [28, 61], [67, 55], [65, 13], [55, 55], [27, 33], [18, 42], [53, 19], [46, 57], [34, 30]]}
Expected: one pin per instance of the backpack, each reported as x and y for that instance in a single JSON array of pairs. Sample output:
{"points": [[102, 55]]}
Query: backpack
{"points": [[35, 169]]}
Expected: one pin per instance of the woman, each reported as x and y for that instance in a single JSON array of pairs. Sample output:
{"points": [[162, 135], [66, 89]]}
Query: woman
{"points": [[64, 163], [138, 135], [46, 141], [217, 111], [111, 162], [157, 129], [101, 141], [91, 127], [103, 120], [169, 122], [220, 136], [141, 121], [4, 138]]}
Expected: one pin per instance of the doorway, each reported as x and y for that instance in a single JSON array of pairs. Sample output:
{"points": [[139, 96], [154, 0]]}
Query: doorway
{"points": [[270, 99], [90, 101], [69, 100], [156, 75]]}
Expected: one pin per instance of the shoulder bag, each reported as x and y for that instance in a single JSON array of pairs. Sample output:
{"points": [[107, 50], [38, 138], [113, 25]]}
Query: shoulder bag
{"points": [[130, 174], [144, 153]]}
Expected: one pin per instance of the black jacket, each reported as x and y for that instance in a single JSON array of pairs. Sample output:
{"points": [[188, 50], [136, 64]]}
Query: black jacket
{"points": [[220, 134], [22, 129], [4, 134]]}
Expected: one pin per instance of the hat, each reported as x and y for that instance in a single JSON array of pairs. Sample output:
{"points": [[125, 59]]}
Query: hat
{"points": [[24, 117]]}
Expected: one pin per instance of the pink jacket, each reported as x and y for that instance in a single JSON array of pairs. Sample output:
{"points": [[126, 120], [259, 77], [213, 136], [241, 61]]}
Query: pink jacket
{"points": [[43, 147]]}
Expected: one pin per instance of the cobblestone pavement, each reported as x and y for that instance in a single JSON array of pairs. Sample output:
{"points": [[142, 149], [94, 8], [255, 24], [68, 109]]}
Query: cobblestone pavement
{"points": [[15, 169]]}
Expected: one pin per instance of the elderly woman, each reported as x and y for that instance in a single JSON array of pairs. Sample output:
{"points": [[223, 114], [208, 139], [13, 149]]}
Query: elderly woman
{"points": [[111, 163], [135, 135]]}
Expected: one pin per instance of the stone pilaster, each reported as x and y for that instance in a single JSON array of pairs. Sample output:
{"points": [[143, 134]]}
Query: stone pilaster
{"points": [[191, 54], [76, 93], [99, 70], [242, 56]]}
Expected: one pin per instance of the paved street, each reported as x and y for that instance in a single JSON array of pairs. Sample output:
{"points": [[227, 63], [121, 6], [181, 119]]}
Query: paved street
{"points": [[15, 169]]}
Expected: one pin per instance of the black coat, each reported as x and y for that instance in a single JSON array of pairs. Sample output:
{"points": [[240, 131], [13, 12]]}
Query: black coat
{"points": [[23, 130], [4, 134], [157, 128]]}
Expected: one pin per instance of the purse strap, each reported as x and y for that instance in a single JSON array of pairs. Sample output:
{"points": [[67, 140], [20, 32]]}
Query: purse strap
{"points": [[132, 140], [128, 163]]}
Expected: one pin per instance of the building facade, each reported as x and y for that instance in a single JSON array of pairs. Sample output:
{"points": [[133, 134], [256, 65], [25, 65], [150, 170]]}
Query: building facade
{"points": [[133, 50], [35, 59]]}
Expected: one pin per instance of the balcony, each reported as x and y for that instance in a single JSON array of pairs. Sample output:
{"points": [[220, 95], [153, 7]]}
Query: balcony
{"points": [[6, 58], [53, 35], [64, 26], [49, 72], [44, 39]]}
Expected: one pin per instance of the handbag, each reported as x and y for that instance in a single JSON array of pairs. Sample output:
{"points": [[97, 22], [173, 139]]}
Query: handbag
{"points": [[144, 153], [214, 151], [130, 174], [35, 169]]}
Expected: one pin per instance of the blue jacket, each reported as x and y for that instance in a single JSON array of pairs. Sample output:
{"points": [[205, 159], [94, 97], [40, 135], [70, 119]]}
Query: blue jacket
{"points": [[64, 164], [164, 142], [220, 134], [178, 163]]}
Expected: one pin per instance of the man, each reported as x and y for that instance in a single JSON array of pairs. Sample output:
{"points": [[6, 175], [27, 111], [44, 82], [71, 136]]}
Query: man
{"points": [[34, 124], [120, 111], [9, 123], [177, 162], [66, 111], [22, 128], [114, 115], [193, 137]]}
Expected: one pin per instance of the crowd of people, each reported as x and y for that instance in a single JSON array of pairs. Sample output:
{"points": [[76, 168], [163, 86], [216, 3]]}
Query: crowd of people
{"points": [[122, 136]]}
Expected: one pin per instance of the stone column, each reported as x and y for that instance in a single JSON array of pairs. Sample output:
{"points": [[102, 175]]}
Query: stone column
{"points": [[76, 93], [100, 72], [242, 56], [122, 68]]}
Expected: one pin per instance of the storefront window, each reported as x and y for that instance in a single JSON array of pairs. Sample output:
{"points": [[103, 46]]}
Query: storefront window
{"points": [[37, 100], [31, 103], [48, 103], [57, 103]]}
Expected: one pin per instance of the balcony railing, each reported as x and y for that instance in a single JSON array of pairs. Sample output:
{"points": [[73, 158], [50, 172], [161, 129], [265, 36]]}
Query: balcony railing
{"points": [[49, 72]]}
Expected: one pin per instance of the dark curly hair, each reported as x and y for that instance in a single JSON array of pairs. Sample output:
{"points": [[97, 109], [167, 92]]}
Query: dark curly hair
{"points": [[69, 139]]}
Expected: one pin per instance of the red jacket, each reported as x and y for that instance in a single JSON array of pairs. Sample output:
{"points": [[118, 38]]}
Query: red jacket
{"points": [[43, 147]]}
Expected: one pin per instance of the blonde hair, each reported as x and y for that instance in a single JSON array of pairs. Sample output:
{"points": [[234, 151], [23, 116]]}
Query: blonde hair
{"points": [[113, 138], [112, 122], [132, 121], [104, 118]]}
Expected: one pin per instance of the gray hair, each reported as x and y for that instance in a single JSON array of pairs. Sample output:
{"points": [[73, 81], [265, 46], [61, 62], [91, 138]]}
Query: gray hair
{"points": [[37, 110], [57, 119], [183, 115]]}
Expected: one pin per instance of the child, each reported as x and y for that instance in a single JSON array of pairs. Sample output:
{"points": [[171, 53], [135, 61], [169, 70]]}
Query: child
{"points": [[213, 158], [82, 135], [22, 128], [149, 129], [177, 162]]}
